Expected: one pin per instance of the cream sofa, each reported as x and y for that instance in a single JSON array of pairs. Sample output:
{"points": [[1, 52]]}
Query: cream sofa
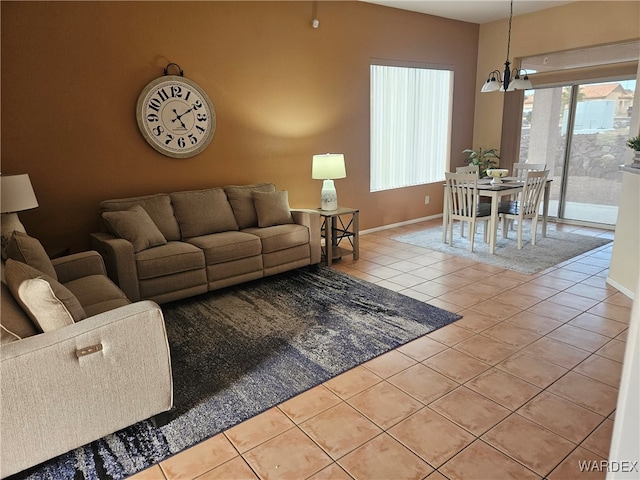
{"points": [[78, 361], [165, 247]]}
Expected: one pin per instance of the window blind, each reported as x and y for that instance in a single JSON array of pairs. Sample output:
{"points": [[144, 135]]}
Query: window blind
{"points": [[410, 125]]}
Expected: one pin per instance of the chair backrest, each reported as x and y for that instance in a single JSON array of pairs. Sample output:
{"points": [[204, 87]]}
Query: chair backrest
{"points": [[520, 169], [462, 194], [531, 193], [469, 169]]}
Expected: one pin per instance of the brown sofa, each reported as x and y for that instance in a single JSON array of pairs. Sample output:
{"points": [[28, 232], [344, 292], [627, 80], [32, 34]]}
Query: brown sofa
{"points": [[165, 247], [78, 361]]}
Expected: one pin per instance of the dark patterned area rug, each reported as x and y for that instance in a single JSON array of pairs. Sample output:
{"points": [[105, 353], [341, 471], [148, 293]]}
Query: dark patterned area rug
{"points": [[239, 351]]}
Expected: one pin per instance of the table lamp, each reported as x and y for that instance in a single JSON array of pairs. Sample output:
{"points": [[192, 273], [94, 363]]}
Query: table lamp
{"points": [[17, 195], [327, 167]]}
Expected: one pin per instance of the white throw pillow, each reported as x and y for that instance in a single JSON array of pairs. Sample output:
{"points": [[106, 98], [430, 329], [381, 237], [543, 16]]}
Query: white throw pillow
{"points": [[47, 310], [48, 303]]}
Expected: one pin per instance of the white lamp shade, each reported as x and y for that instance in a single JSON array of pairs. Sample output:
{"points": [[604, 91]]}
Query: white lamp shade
{"points": [[17, 193], [520, 84], [491, 85], [328, 166]]}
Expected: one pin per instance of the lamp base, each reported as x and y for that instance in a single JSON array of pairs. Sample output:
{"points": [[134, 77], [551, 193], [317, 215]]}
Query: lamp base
{"points": [[328, 196], [10, 223]]}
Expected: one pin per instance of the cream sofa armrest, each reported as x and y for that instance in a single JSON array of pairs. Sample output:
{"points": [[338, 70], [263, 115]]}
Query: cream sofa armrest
{"points": [[57, 397], [310, 219], [78, 265], [120, 262]]}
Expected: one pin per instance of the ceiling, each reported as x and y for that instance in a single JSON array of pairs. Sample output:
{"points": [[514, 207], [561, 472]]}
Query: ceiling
{"points": [[473, 11]]}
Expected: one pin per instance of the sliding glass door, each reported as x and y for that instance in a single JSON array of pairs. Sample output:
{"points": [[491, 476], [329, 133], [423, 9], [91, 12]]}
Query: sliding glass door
{"points": [[580, 132]]}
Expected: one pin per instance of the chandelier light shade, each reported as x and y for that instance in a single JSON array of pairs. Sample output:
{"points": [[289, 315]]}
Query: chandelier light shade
{"points": [[328, 167], [497, 82], [16, 195]]}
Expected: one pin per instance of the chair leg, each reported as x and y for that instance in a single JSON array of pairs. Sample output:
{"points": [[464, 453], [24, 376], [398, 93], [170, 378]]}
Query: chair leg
{"points": [[486, 232], [462, 229], [534, 229], [472, 234], [445, 229], [451, 232], [504, 226], [519, 234]]}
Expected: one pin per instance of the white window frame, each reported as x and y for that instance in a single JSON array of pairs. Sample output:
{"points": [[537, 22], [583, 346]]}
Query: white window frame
{"points": [[411, 125]]}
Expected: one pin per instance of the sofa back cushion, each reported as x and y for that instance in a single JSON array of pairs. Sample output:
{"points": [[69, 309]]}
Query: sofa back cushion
{"points": [[14, 322], [157, 206], [136, 226], [49, 304], [201, 212], [242, 202], [29, 250]]}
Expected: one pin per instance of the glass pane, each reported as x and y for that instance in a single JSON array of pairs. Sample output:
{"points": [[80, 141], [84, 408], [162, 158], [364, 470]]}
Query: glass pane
{"points": [[597, 146], [600, 132], [543, 136]]}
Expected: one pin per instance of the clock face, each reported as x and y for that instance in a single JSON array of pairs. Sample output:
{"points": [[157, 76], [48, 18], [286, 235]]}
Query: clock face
{"points": [[176, 116]]}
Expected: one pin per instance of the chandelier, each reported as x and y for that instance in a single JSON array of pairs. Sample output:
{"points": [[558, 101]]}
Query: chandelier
{"points": [[495, 82]]}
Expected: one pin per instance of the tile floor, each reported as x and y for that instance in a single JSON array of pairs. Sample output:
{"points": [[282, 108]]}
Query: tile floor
{"points": [[524, 386]]}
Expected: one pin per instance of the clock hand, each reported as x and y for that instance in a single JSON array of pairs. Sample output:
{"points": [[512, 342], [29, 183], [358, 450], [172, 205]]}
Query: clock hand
{"points": [[178, 119]]}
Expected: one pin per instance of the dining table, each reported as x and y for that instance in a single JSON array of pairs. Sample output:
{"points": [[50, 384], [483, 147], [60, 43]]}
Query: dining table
{"points": [[509, 186]]}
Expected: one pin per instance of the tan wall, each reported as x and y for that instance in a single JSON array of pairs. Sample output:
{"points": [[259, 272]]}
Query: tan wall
{"points": [[283, 91], [579, 24]]}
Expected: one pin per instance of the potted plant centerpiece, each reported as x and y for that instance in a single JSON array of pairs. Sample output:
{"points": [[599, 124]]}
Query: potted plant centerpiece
{"points": [[485, 159], [634, 144]]}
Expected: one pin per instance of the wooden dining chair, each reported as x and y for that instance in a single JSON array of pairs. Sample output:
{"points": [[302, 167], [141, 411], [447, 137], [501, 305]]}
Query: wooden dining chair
{"points": [[520, 169], [463, 205], [469, 169], [519, 172], [526, 206]]}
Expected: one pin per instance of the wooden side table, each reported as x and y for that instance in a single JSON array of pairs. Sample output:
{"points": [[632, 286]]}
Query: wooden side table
{"points": [[334, 231]]}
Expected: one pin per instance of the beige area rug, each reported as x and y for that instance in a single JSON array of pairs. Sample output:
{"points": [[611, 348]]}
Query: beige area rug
{"points": [[548, 251]]}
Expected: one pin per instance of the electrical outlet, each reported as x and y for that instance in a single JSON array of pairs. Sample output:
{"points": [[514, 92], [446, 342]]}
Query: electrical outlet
{"points": [[426, 199]]}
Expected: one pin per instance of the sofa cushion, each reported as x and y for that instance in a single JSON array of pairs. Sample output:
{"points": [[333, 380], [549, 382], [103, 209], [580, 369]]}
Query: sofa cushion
{"points": [[281, 237], [272, 208], [242, 202], [201, 212], [135, 225], [97, 294], [47, 302], [227, 246], [158, 207], [29, 250], [14, 322], [174, 257]]}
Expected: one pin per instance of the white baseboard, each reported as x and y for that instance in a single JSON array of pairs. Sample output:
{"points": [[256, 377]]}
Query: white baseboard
{"points": [[620, 287], [400, 224]]}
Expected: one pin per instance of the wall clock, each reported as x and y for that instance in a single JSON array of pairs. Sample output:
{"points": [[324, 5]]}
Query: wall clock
{"points": [[175, 115]]}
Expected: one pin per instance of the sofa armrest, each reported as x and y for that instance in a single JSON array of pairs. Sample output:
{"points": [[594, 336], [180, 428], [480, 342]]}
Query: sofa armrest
{"points": [[55, 398], [311, 220], [78, 265], [120, 262]]}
